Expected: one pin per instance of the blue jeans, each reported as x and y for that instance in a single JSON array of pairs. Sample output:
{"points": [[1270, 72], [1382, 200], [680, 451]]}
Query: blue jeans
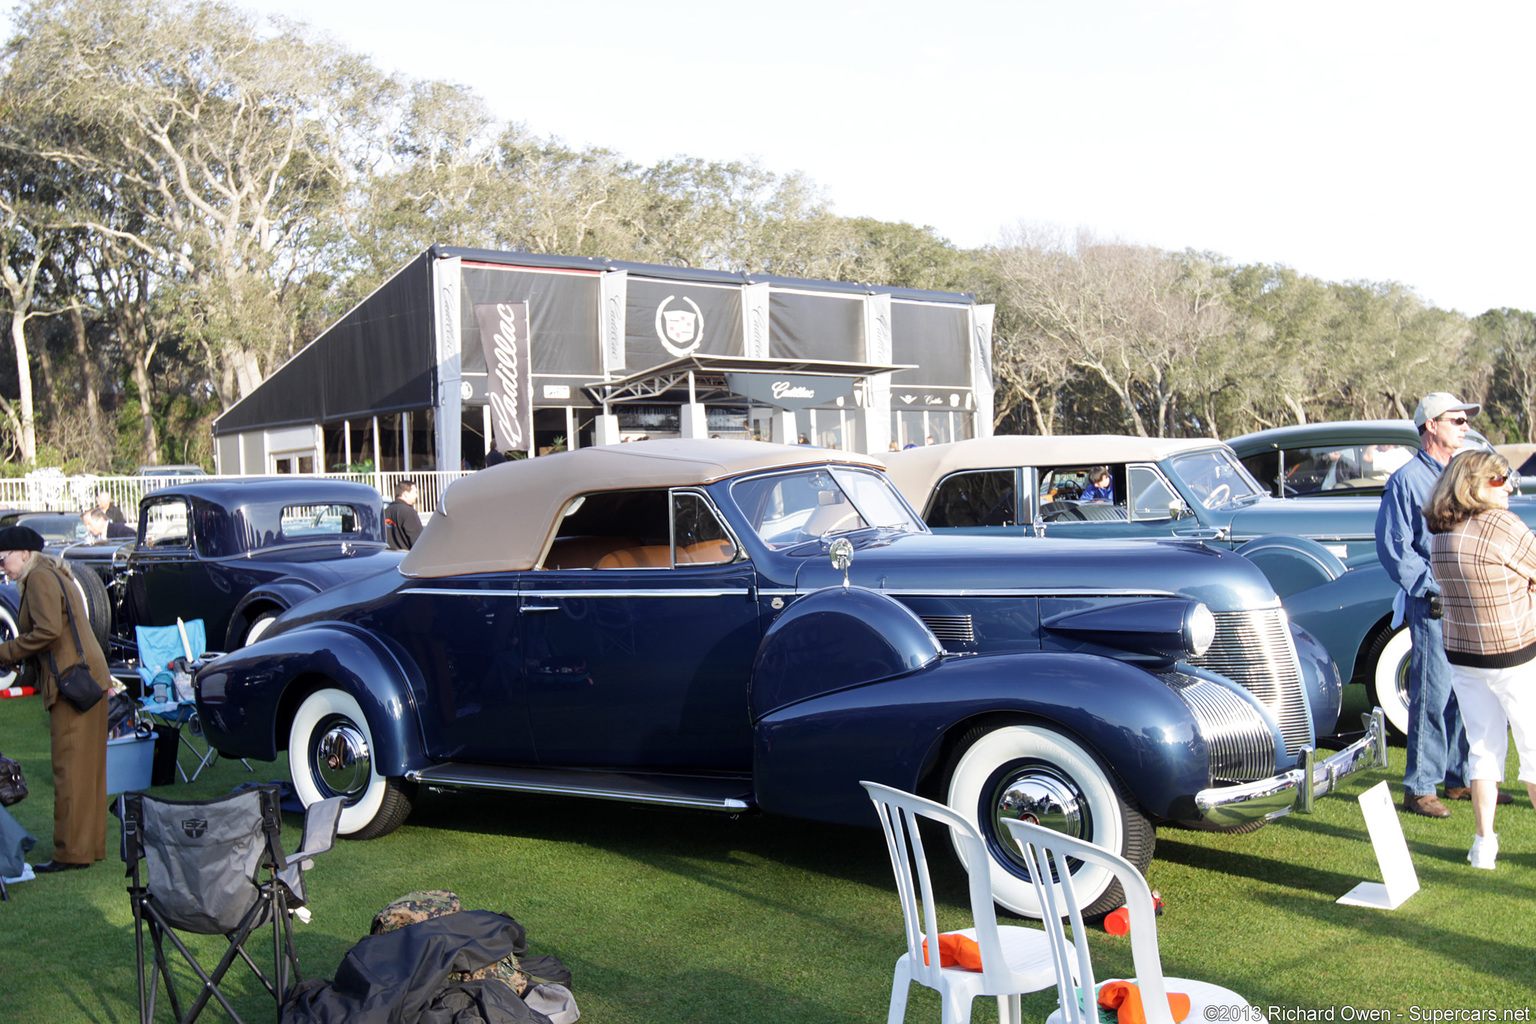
{"points": [[1437, 746]]}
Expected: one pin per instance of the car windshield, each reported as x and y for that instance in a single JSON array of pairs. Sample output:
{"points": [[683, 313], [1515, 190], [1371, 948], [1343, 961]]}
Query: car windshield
{"points": [[790, 508], [1215, 477], [56, 529]]}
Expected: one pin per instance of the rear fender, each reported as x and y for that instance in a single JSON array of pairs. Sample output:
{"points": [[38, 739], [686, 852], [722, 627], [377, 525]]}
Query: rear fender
{"points": [[279, 596], [1292, 563], [1345, 614], [247, 698], [810, 756]]}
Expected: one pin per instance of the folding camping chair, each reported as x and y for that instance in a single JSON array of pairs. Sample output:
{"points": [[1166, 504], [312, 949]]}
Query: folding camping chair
{"points": [[216, 867], [160, 649]]}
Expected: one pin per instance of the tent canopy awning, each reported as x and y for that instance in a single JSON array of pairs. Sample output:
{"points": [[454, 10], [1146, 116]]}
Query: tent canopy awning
{"points": [[714, 377]]}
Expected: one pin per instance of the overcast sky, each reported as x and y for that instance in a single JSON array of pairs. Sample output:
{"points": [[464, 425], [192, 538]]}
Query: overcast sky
{"points": [[1349, 140]]}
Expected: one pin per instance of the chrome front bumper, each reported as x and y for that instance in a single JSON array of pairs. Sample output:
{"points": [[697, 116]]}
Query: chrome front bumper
{"points": [[1229, 806]]}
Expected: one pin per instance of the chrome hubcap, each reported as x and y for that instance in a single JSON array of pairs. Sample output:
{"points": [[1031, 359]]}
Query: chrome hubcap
{"points": [[1042, 795], [342, 761]]}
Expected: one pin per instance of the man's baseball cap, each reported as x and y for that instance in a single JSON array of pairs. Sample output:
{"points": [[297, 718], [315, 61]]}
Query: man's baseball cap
{"points": [[1438, 403]]}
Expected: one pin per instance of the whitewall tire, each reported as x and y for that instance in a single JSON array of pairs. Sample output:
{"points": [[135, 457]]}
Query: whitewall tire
{"points": [[331, 753], [1041, 775], [1389, 679]]}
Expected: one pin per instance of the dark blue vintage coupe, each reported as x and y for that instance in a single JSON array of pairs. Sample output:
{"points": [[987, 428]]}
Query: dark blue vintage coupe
{"points": [[235, 553], [663, 622]]}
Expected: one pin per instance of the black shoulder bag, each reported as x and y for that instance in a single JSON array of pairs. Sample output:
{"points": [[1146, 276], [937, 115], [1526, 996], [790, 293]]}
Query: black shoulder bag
{"points": [[76, 684], [13, 785]]}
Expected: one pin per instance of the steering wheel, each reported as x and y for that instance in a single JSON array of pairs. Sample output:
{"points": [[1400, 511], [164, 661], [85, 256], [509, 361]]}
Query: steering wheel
{"points": [[1219, 494]]}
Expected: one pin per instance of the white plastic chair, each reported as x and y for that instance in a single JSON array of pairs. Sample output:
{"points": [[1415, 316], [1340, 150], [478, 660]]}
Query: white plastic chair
{"points": [[1014, 960], [1045, 857]]}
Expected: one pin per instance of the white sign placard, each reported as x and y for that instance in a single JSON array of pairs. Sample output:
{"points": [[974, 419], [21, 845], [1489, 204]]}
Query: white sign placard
{"points": [[1399, 879]]}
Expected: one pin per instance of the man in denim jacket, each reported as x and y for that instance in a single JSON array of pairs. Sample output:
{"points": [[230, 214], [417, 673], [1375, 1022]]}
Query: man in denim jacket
{"points": [[1437, 746]]}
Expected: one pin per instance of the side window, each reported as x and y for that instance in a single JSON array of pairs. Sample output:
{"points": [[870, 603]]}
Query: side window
{"points": [[985, 498], [1265, 468], [1151, 497], [167, 525], [697, 533], [613, 530], [320, 521], [1342, 467]]}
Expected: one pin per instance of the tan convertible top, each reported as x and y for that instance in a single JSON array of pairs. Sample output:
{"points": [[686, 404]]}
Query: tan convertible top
{"points": [[916, 471], [502, 519]]}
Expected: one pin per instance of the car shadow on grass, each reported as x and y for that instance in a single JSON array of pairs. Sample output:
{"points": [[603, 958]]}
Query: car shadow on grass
{"points": [[659, 835]]}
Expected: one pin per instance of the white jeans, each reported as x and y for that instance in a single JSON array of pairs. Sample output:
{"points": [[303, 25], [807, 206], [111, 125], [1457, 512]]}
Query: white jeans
{"points": [[1494, 702]]}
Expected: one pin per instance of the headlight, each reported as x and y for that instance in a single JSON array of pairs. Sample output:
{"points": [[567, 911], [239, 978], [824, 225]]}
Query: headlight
{"points": [[1199, 629]]}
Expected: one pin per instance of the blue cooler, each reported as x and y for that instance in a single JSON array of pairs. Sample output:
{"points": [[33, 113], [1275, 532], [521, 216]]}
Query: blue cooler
{"points": [[129, 759]]}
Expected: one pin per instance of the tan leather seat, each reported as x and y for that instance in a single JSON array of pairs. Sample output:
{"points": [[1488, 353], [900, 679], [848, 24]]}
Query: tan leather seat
{"points": [[650, 556], [584, 552], [706, 551]]}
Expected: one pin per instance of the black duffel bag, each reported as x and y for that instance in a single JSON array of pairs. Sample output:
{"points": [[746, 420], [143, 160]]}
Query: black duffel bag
{"points": [[13, 785]]}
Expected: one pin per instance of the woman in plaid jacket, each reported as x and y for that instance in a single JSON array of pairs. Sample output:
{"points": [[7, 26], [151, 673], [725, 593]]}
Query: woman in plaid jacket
{"points": [[1484, 559]]}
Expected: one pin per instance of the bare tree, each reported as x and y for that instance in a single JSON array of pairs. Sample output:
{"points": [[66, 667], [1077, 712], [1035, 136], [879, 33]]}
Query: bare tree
{"points": [[228, 143]]}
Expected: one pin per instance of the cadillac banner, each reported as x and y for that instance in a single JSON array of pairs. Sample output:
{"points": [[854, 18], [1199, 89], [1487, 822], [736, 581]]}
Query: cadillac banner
{"points": [[504, 336]]}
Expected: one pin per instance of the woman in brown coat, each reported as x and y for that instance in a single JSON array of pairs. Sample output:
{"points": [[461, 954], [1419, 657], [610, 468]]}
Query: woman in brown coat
{"points": [[49, 598]]}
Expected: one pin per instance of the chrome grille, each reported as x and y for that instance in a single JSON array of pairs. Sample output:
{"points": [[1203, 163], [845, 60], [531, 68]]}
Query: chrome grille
{"points": [[1238, 738], [1255, 651], [951, 628]]}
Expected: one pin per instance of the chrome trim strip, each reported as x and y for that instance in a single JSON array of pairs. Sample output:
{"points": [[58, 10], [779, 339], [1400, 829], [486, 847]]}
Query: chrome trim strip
{"points": [[428, 777], [1020, 592], [553, 594]]}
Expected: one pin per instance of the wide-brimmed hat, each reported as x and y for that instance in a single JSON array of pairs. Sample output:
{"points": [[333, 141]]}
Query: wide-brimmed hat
{"points": [[20, 538], [1438, 403]]}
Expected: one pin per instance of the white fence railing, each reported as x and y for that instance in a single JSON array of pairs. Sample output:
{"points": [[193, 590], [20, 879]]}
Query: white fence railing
{"points": [[51, 491]]}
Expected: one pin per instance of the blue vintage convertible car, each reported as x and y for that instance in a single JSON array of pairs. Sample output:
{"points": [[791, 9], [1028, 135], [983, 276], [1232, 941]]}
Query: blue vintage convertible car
{"points": [[1319, 553], [662, 622]]}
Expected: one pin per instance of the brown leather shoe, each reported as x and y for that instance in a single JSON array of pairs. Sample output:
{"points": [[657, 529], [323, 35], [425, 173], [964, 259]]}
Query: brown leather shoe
{"points": [[1429, 806], [1465, 793]]}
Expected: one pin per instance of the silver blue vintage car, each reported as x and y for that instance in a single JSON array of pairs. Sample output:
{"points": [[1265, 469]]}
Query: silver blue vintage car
{"points": [[1318, 553], [729, 625]]}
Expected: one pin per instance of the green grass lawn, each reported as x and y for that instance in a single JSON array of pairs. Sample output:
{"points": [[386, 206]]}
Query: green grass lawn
{"points": [[671, 916]]}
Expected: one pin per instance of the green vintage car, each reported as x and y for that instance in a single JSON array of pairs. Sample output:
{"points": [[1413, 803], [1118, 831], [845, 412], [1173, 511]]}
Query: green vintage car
{"points": [[1343, 458]]}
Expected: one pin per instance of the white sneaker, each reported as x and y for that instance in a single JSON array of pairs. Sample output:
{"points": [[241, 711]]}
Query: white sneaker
{"points": [[1485, 850]]}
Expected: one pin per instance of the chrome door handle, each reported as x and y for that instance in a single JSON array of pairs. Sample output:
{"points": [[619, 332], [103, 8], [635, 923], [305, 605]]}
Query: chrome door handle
{"points": [[540, 608]]}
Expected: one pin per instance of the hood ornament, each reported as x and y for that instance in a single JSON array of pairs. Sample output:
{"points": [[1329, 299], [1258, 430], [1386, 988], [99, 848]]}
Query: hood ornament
{"points": [[842, 556]]}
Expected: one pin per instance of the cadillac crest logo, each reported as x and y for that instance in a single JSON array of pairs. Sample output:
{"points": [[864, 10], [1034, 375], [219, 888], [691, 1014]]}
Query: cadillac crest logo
{"points": [[680, 331]]}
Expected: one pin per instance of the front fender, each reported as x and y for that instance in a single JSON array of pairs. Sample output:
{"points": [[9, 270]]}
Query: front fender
{"points": [[246, 699], [1320, 676], [809, 757], [833, 639]]}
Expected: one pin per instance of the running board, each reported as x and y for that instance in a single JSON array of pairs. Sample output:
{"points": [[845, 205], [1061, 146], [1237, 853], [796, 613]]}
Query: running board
{"points": [[707, 793]]}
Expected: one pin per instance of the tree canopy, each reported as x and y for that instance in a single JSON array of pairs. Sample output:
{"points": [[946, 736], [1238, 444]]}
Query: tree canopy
{"points": [[190, 194]]}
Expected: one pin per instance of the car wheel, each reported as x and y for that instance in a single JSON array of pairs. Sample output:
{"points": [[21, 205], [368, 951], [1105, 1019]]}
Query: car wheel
{"points": [[1388, 679], [1040, 775], [330, 753], [8, 632], [98, 606], [261, 625]]}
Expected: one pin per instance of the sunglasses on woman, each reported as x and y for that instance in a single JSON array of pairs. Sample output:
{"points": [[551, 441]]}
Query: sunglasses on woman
{"points": [[1502, 479]]}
